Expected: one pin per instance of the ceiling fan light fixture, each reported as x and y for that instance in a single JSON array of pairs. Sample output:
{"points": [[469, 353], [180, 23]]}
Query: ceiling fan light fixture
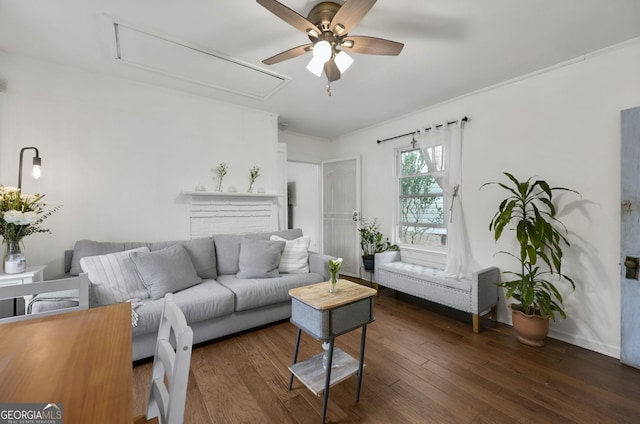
{"points": [[322, 51], [343, 61], [316, 66]]}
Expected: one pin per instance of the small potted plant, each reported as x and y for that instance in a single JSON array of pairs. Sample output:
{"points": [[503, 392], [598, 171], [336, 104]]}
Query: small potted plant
{"points": [[528, 209], [254, 173], [372, 241]]}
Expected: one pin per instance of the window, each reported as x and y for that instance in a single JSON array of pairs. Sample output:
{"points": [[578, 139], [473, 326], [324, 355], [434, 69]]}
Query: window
{"points": [[421, 217]]}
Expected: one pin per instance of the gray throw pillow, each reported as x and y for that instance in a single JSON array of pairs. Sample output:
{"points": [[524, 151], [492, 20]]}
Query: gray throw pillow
{"points": [[165, 271], [202, 252], [259, 258]]}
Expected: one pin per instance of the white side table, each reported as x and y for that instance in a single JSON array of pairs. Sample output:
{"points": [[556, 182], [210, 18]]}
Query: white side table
{"points": [[31, 275]]}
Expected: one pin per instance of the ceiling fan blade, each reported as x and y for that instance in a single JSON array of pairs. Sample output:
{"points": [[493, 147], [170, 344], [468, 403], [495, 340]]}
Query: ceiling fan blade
{"points": [[289, 54], [332, 71], [372, 45], [289, 16], [350, 14]]}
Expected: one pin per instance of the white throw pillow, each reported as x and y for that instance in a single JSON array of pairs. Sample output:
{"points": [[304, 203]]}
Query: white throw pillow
{"points": [[114, 278], [295, 257]]}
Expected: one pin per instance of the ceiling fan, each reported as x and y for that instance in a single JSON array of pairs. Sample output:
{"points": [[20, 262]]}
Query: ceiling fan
{"points": [[327, 26]]}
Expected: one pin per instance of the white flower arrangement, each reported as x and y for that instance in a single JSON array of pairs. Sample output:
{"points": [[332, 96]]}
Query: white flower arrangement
{"points": [[22, 214]]}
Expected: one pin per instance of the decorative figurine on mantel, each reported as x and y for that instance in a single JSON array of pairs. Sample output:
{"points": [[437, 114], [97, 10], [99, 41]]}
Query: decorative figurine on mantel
{"points": [[221, 170], [254, 173]]}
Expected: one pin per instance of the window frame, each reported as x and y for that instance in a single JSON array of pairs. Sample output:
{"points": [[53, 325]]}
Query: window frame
{"points": [[398, 205]]}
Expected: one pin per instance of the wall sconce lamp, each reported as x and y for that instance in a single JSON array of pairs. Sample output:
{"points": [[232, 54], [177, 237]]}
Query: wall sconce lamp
{"points": [[37, 162]]}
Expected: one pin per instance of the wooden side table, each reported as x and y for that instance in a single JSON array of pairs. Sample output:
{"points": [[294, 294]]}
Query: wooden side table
{"points": [[32, 274], [325, 316]]}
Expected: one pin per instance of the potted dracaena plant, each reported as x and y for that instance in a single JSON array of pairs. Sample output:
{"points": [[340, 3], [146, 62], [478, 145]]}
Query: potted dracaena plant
{"points": [[541, 237], [372, 241]]}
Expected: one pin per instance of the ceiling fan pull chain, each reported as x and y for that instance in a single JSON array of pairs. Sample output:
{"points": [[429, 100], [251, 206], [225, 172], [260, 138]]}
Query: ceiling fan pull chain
{"points": [[329, 88]]}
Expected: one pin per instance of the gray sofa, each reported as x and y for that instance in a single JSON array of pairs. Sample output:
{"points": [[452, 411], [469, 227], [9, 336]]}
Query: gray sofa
{"points": [[224, 284]]}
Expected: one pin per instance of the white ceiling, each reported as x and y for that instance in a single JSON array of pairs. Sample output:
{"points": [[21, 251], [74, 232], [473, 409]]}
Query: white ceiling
{"points": [[452, 47]]}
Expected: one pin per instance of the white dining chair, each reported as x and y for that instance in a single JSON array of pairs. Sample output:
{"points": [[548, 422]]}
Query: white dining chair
{"points": [[167, 396], [79, 285]]}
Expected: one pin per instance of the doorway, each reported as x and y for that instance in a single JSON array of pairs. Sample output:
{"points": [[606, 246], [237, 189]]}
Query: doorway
{"points": [[341, 211], [303, 194]]}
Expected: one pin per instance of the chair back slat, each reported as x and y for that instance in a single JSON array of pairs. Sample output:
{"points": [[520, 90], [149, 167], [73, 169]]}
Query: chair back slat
{"points": [[171, 366]]}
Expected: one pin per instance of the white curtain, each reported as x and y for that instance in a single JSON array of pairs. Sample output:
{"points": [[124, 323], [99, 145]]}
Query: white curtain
{"points": [[441, 147]]}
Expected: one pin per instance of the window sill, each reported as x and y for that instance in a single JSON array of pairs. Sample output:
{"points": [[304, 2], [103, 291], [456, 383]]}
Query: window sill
{"points": [[423, 256]]}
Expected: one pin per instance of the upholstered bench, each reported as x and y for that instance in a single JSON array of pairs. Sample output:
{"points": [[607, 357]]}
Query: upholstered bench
{"points": [[477, 295]]}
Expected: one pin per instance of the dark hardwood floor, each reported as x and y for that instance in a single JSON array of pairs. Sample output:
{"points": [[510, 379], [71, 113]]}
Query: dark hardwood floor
{"points": [[423, 365]]}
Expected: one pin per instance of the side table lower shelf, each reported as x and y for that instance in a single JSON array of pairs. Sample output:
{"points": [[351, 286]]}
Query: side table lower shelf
{"points": [[312, 373]]}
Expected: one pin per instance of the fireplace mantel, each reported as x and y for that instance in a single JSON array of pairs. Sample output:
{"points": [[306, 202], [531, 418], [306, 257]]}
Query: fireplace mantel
{"points": [[214, 212], [223, 194]]}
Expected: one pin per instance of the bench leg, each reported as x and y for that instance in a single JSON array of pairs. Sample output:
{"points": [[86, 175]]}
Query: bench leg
{"points": [[477, 319]]}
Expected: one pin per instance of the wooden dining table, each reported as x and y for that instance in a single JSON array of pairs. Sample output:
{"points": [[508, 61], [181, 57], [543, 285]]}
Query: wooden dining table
{"points": [[80, 361]]}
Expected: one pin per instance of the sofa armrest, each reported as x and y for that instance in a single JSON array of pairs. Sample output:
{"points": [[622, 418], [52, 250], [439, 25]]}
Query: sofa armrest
{"points": [[484, 289], [319, 263], [386, 257], [68, 256]]}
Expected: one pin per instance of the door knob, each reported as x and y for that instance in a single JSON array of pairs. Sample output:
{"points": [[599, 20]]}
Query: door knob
{"points": [[631, 266]]}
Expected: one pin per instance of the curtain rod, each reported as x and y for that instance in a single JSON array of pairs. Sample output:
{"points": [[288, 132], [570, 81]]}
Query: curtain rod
{"points": [[465, 119]]}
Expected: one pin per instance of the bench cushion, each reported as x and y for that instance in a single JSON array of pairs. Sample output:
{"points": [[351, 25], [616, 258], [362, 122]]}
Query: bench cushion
{"points": [[428, 274]]}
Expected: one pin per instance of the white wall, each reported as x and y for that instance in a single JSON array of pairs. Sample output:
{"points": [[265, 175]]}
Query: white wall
{"points": [[117, 154], [306, 148], [562, 125]]}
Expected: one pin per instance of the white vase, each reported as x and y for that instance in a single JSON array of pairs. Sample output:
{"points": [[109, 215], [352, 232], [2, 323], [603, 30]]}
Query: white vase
{"points": [[14, 260]]}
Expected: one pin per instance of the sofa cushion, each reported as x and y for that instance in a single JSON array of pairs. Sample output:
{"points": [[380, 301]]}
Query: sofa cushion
{"points": [[256, 292], [165, 271], [113, 277], [84, 248], [227, 252], [295, 256], [259, 258], [228, 247], [201, 302], [202, 252]]}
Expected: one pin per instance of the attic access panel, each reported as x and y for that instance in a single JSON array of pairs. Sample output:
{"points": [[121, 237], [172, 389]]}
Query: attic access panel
{"points": [[179, 60]]}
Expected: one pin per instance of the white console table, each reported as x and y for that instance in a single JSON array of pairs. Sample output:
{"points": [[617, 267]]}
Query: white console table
{"points": [[31, 275]]}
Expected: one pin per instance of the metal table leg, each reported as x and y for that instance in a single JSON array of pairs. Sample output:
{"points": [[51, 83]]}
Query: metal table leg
{"points": [[295, 356], [327, 381], [360, 365]]}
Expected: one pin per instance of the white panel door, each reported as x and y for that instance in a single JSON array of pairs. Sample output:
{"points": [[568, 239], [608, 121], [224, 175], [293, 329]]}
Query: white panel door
{"points": [[340, 210], [630, 239]]}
